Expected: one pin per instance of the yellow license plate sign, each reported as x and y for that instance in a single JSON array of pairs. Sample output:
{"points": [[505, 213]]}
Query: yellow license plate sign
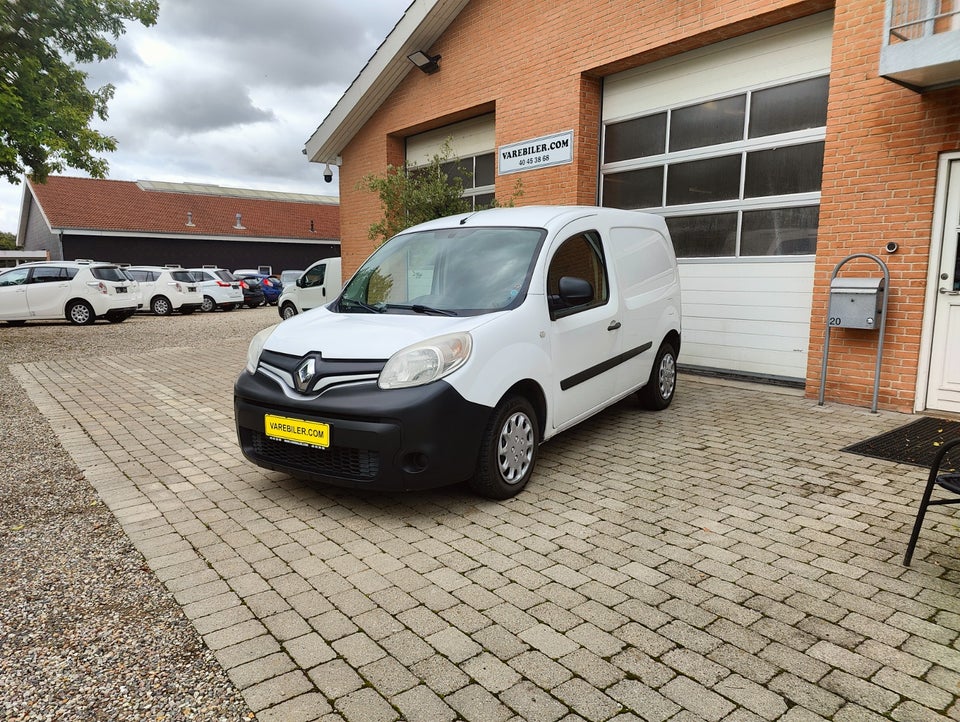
{"points": [[298, 431]]}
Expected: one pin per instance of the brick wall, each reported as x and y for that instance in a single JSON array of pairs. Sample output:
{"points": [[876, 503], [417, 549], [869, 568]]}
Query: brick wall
{"points": [[879, 177], [539, 67]]}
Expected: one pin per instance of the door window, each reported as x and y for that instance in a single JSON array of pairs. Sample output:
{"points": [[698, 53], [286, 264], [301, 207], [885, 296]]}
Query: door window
{"points": [[51, 274], [16, 277], [580, 256], [314, 277]]}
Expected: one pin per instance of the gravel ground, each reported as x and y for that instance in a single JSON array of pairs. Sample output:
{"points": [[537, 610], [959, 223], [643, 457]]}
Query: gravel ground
{"points": [[87, 632]]}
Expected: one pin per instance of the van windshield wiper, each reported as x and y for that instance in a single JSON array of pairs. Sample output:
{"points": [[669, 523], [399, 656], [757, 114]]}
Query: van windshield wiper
{"points": [[420, 308], [379, 308]]}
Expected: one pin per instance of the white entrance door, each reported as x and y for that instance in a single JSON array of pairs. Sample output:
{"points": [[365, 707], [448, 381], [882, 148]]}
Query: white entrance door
{"points": [[943, 390]]}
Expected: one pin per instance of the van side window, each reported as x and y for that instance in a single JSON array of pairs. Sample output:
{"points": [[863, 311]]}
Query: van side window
{"points": [[314, 277], [579, 256]]}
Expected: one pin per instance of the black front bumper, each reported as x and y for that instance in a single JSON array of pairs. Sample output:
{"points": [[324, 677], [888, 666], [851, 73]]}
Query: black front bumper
{"points": [[401, 439]]}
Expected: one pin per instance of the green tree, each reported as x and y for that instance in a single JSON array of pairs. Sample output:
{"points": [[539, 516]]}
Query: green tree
{"points": [[8, 241], [415, 194], [45, 106]]}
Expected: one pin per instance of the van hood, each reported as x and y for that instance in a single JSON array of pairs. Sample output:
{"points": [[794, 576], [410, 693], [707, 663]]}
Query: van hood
{"points": [[369, 336]]}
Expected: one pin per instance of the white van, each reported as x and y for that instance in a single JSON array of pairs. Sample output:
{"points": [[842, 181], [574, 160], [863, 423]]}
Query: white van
{"points": [[463, 343], [318, 285]]}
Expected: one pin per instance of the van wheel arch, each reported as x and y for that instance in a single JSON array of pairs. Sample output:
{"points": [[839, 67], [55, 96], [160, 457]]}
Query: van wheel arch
{"points": [[659, 390], [508, 449]]}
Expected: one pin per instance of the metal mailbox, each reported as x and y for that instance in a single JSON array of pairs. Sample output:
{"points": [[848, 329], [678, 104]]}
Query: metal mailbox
{"points": [[856, 302]]}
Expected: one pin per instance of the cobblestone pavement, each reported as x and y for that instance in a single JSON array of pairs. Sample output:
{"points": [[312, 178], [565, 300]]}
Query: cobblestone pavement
{"points": [[720, 560]]}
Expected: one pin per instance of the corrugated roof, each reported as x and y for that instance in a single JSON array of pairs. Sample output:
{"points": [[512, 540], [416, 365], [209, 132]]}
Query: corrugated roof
{"points": [[89, 204]]}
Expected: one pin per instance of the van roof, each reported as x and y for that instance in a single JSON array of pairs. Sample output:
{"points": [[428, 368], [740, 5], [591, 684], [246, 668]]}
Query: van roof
{"points": [[543, 217]]}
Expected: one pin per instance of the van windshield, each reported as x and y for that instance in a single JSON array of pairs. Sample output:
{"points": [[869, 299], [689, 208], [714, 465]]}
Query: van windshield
{"points": [[453, 271]]}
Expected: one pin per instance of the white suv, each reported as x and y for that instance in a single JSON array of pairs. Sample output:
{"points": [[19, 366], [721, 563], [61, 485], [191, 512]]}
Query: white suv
{"points": [[167, 289], [79, 291], [220, 288]]}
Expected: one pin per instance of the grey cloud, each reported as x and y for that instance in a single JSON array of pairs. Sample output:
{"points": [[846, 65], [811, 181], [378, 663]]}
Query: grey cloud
{"points": [[285, 42], [198, 105]]}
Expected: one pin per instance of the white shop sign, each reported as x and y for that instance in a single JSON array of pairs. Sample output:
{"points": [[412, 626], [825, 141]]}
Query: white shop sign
{"points": [[548, 150]]}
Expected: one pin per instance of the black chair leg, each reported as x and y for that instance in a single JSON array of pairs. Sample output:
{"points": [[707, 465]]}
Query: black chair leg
{"points": [[925, 501], [921, 512]]}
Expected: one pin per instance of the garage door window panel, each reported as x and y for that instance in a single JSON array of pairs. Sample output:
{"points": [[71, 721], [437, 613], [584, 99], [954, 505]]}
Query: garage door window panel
{"points": [[477, 175], [709, 123], [634, 189], [782, 171], [704, 236], [637, 138], [780, 232], [703, 181], [788, 108]]}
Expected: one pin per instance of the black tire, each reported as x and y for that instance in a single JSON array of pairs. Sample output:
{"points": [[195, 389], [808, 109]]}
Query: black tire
{"points": [[508, 450], [208, 304], [160, 306], [662, 385], [80, 313], [230, 307], [288, 310]]}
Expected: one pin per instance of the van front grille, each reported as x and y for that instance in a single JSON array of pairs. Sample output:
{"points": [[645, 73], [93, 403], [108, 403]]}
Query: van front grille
{"points": [[345, 462]]}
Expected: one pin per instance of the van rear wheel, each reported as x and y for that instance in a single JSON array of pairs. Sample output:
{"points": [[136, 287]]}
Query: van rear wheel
{"points": [[508, 450], [662, 384]]}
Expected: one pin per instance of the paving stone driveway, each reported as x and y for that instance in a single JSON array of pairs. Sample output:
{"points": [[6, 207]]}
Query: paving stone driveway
{"points": [[720, 560]]}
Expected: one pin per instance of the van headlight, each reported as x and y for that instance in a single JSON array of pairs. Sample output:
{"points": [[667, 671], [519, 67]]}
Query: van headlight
{"points": [[256, 348], [426, 361]]}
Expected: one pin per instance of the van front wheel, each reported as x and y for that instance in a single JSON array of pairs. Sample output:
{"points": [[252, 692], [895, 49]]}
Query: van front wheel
{"points": [[662, 384], [508, 450]]}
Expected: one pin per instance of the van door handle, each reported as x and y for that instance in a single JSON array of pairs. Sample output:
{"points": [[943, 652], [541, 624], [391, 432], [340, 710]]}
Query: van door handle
{"points": [[614, 325]]}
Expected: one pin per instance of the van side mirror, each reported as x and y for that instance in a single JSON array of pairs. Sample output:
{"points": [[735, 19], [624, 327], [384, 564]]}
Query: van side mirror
{"points": [[575, 291], [299, 282]]}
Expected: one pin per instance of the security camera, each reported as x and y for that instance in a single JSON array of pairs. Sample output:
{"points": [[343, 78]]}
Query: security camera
{"points": [[327, 174], [892, 247]]}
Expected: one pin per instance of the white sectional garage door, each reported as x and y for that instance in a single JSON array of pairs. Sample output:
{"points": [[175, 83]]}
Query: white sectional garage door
{"points": [[727, 143]]}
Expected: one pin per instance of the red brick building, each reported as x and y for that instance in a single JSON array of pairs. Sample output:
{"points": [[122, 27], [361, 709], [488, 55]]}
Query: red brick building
{"points": [[778, 138], [190, 224]]}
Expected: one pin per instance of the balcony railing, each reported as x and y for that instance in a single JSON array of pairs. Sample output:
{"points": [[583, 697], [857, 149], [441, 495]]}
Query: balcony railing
{"points": [[921, 48]]}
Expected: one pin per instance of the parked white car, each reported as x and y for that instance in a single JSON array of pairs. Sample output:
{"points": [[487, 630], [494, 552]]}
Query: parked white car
{"points": [[219, 287], [78, 291], [134, 286], [461, 344], [167, 289]]}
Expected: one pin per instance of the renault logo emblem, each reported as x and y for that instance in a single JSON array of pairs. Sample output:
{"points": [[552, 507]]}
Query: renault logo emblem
{"points": [[304, 373]]}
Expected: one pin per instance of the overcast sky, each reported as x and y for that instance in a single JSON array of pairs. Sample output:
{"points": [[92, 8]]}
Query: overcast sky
{"points": [[229, 93]]}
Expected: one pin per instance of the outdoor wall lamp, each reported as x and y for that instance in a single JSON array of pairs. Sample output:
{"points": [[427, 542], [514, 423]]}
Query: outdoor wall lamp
{"points": [[427, 63]]}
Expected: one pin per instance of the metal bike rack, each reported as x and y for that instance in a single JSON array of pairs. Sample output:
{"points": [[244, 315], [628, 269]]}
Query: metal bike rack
{"points": [[857, 303]]}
